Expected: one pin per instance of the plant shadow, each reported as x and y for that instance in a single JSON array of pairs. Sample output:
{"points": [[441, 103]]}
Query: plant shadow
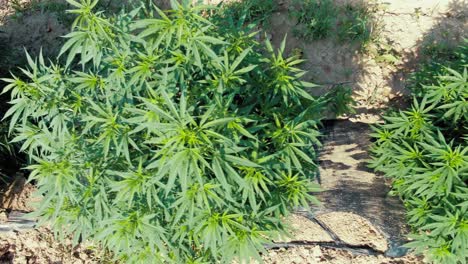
{"points": [[350, 186], [448, 31]]}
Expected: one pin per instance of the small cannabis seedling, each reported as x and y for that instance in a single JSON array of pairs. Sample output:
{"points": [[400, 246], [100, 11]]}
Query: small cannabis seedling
{"points": [[352, 23], [165, 140], [316, 19]]}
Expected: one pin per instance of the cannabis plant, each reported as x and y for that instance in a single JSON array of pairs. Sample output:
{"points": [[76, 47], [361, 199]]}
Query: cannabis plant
{"points": [[425, 150], [165, 137], [340, 100], [358, 24], [315, 18], [438, 59], [252, 13]]}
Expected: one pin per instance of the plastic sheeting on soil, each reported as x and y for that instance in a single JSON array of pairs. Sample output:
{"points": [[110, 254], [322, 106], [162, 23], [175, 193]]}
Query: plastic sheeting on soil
{"points": [[350, 186]]}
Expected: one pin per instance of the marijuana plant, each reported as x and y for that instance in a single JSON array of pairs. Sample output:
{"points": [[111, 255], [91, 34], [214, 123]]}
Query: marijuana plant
{"points": [[425, 151], [320, 19], [439, 58], [252, 13], [316, 19], [340, 100], [358, 24], [165, 137]]}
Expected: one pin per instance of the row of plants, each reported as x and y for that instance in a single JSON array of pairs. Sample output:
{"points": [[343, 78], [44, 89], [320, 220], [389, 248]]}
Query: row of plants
{"points": [[316, 19], [424, 149], [167, 136]]}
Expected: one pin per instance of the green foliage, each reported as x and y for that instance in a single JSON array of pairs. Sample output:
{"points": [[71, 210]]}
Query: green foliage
{"points": [[316, 18], [11, 161], [340, 100], [248, 11], [320, 19], [384, 53], [166, 137], [5, 147], [424, 149], [439, 58], [357, 24], [57, 7]]}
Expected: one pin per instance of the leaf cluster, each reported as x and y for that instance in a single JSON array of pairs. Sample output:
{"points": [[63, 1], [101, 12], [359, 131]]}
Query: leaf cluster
{"points": [[439, 58], [340, 100], [165, 136], [249, 12], [424, 149], [316, 19], [358, 24], [320, 19]]}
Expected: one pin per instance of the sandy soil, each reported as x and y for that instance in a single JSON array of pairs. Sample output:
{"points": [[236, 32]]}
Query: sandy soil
{"points": [[303, 229], [354, 230], [348, 185], [40, 247], [316, 254], [18, 195], [405, 26]]}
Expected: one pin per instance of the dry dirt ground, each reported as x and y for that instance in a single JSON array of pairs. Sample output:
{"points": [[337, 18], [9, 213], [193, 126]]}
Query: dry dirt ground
{"points": [[349, 185], [406, 26], [309, 243], [39, 246], [316, 254]]}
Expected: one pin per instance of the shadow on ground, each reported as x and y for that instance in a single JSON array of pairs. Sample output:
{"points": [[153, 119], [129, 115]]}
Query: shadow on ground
{"points": [[448, 32], [349, 186]]}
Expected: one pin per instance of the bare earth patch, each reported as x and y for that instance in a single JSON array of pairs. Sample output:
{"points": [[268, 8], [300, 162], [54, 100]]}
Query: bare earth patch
{"points": [[316, 254], [354, 230], [303, 229], [38, 246], [18, 196], [348, 185]]}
